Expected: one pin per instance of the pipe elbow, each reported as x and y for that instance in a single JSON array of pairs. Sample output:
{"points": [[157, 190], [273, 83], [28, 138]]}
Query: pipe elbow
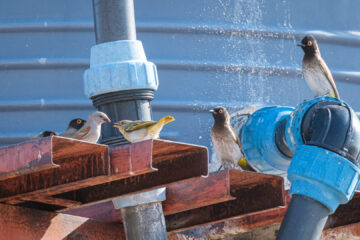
{"points": [[335, 127], [327, 139]]}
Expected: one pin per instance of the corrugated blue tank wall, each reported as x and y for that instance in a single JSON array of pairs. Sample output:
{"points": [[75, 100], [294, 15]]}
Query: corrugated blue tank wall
{"points": [[208, 53]]}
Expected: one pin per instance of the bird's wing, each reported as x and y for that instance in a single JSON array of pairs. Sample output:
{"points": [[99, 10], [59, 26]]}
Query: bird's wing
{"points": [[69, 132], [242, 162], [82, 132], [236, 139], [324, 68], [136, 125]]}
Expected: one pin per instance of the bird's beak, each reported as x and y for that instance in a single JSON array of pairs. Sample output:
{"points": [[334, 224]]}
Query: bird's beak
{"points": [[300, 45], [212, 110], [107, 120]]}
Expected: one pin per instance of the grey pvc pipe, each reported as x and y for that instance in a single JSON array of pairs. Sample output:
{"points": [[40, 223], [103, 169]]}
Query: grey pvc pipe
{"points": [[304, 220], [114, 20]]}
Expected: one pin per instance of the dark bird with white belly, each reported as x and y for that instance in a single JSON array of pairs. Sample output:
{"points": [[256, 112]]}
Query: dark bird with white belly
{"points": [[226, 142], [316, 72]]}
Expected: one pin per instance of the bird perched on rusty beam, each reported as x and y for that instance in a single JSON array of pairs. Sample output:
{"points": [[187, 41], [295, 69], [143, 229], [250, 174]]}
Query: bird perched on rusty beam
{"points": [[226, 142], [316, 72], [46, 133], [91, 130], [140, 130], [73, 127]]}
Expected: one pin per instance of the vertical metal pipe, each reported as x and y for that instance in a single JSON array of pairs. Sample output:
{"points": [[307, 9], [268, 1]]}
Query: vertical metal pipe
{"points": [[143, 215], [304, 220], [144, 222], [114, 20]]}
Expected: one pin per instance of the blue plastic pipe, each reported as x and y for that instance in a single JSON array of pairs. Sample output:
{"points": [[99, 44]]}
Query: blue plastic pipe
{"points": [[318, 145]]}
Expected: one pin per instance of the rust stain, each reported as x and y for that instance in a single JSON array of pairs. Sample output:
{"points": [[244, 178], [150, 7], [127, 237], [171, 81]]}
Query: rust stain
{"points": [[347, 232], [17, 223]]}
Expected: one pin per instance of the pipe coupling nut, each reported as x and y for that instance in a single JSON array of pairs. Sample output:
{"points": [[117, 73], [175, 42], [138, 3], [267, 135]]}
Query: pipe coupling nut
{"points": [[119, 65], [322, 175]]}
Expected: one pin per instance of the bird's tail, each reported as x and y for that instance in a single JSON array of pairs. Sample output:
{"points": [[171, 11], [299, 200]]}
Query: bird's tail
{"points": [[156, 128], [165, 120], [245, 165]]}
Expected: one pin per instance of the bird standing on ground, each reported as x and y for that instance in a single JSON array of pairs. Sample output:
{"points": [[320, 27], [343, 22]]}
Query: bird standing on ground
{"points": [[140, 130], [225, 141], [91, 130], [315, 70], [73, 127]]}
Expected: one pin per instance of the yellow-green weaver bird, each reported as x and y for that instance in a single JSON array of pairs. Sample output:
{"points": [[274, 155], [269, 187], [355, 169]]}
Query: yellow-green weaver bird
{"points": [[140, 130]]}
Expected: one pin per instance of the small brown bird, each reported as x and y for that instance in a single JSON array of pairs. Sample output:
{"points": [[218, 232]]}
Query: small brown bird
{"points": [[91, 130], [140, 130], [73, 127], [226, 142], [46, 133], [316, 72]]}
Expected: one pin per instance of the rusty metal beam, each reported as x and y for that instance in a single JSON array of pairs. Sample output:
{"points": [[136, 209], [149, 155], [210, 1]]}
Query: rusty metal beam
{"points": [[253, 191], [346, 232], [41, 154], [188, 200], [74, 173], [125, 161], [346, 214], [81, 165], [343, 224], [54, 201], [180, 196], [20, 223], [174, 162], [197, 192]]}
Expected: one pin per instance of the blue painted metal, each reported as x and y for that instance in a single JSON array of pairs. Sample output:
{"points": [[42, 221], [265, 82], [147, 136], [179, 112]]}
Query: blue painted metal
{"points": [[207, 52], [258, 140], [293, 125], [323, 176], [119, 65]]}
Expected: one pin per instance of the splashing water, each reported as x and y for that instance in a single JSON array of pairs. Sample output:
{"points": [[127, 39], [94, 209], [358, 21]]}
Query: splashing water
{"points": [[253, 52]]}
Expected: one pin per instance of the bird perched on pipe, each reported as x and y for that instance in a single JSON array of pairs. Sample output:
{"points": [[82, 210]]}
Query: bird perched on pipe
{"points": [[316, 72], [226, 142], [140, 130], [91, 130], [73, 127]]}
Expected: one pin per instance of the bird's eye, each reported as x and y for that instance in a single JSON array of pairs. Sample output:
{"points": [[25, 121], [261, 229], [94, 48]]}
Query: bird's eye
{"points": [[309, 43], [78, 121], [221, 111]]}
